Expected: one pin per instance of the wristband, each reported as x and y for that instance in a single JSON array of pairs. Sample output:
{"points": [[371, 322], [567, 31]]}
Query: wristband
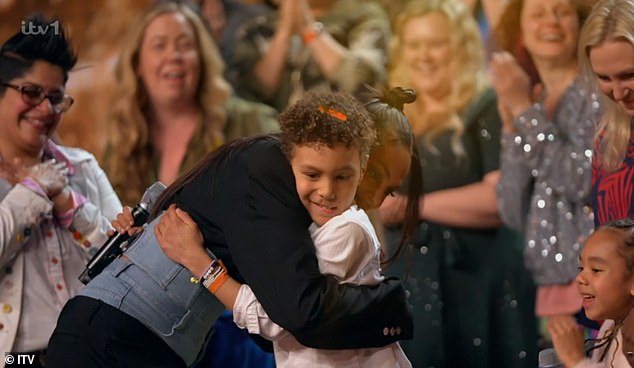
{"points": [[311, 35], [218, 282], [214, 276]]}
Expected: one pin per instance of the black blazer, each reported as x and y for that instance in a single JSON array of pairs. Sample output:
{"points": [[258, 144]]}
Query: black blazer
{"points": [[251, 217]]}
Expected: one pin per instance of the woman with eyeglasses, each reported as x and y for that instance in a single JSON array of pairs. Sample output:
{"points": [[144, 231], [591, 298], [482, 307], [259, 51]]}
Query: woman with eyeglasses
{"points": [[55, 201]]}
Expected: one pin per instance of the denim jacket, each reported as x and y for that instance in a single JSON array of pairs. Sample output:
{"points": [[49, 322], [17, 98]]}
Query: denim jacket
{"points": [[160, 294]]}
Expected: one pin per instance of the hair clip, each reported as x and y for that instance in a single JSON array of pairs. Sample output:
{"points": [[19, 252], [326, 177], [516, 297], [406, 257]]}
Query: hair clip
{"points": [[332, 112]]}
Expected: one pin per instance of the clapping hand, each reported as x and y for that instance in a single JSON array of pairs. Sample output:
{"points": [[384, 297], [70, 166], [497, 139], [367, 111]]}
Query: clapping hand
{"points": [[512, 86], [567, 339], [52, 176]]}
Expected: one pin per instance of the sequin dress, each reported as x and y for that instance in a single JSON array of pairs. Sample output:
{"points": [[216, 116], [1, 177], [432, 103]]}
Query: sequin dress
{"points": [[472, 298]]}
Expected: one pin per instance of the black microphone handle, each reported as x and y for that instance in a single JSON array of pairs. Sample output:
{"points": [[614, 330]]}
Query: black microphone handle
{"points": [[111, 248]]}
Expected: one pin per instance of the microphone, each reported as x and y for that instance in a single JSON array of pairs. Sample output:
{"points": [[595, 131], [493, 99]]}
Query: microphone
{"points": [[547, 358], [118, 243]]}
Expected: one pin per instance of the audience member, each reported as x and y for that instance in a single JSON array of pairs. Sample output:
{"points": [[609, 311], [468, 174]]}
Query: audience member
{"points": [[55, 201], [225, 18], [545, 185], [472, 297], [606, 282], [606, 54], [171, 104], [333, 44]]}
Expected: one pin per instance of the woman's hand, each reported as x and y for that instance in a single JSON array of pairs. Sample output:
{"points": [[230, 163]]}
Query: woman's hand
{"points": [[52, 176], [567, 339], [511, 83], [181, 240], [287, 14]]}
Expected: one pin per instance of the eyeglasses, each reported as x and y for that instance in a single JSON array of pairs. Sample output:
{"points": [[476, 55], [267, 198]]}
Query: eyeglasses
{"points": [[33, 95]]}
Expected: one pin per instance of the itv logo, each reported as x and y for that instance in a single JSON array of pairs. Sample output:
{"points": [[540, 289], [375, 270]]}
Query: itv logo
{"points": [[28, 28]]}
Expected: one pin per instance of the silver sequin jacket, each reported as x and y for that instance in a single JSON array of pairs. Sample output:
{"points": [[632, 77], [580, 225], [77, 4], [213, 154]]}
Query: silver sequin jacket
{"points": [[545, 185]]}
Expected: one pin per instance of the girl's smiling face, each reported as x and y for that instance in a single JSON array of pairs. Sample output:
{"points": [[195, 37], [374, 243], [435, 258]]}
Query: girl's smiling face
{"points": [[604, 281]]}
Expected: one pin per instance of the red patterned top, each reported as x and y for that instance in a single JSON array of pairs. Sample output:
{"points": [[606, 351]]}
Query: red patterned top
{"points": [[613, 192]]}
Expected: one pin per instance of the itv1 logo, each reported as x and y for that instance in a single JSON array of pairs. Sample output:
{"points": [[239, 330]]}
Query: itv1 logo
{"points": [[29, 28]]}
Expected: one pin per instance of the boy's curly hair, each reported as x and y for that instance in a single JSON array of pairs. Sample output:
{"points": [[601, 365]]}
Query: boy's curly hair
{"points": [[327, 118]]}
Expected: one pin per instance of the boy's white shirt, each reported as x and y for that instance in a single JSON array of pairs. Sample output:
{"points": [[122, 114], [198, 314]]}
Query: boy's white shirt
{"points": [[348, 248]]}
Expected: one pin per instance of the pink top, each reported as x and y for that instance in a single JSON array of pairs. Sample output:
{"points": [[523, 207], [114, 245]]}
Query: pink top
{"points": [[555, 300]]}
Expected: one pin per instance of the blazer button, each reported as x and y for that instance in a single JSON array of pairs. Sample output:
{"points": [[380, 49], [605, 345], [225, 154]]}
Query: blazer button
{"points": [[7, 308], [386, 331], [392, 331], [398, 330]]}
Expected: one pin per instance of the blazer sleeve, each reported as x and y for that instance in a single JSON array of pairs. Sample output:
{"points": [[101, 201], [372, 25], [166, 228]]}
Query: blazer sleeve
{"points": [[266, 232]]}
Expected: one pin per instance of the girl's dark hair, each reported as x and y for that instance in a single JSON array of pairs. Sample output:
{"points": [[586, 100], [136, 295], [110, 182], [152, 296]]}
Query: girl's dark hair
{"points": [[39, 39], [392, 127], [626, 228]]}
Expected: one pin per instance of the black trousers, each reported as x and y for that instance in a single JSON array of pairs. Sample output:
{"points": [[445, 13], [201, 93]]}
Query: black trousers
{"points": [[90, 333]]}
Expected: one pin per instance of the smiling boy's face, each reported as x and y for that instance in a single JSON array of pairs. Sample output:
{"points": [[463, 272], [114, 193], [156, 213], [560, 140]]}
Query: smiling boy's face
{"points": [[326, 179]]}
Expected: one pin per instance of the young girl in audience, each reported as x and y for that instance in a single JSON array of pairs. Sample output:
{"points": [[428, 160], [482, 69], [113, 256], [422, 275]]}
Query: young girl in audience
{"points": [[328, 152], [606, 284]]}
